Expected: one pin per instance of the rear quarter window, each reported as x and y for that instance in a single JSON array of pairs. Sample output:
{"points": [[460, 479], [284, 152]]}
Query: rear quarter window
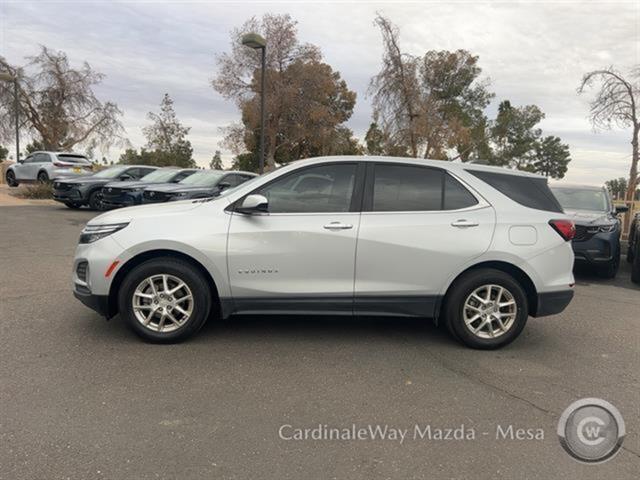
{"points": [[527, 191]]}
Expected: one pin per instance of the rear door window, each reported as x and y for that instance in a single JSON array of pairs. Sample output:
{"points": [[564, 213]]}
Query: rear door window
{"points": [[42, 158], [528, 191], [456, 196], [406, 188]]}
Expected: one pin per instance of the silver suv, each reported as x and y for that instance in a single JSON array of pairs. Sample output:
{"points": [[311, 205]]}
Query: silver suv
{"points": [[478, 248], [45, 166]]}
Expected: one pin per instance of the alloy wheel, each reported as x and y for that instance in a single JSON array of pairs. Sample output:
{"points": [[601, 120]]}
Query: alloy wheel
{"points": [[490, 311], [162, 303]]}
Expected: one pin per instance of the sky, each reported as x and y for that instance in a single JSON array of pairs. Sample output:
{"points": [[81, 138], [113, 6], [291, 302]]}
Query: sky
{"points": [[532, 52]]}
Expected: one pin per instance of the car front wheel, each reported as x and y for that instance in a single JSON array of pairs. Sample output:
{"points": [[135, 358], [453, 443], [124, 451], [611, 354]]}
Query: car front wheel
{"points": [[95, 200], [165, 300], [486, 309], [610, 270]]}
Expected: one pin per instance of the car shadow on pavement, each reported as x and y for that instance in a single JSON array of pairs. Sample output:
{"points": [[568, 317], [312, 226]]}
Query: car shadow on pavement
{"points": [[587, 276]]}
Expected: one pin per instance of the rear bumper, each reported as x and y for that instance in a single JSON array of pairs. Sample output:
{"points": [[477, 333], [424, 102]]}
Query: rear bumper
{"points": [[551, 303]]}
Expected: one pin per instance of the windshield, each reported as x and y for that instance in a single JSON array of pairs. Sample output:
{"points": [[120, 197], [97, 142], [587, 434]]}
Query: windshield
{"points": [[582, 199], [159, 176], [202, 179], [111, 172]]}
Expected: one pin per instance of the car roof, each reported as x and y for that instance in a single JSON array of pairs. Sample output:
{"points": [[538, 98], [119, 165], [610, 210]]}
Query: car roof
{"points": [[453, 166], [58, 153], [575, 185]]}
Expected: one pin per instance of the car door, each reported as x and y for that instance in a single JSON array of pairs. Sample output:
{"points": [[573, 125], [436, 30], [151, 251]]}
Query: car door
{"points": [[22, 168], [298, 257], [419, 224]]}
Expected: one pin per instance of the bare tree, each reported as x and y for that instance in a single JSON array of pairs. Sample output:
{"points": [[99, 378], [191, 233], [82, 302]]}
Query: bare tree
{"points": [[57, 103], [616, 104], [431, 104], [396, 90], [238, 76]]}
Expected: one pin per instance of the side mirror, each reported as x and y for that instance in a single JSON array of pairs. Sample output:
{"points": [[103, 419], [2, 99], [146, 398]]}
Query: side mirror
{"points": [[254, 204], [124, 177], [621, 209], [223, 186], [21, 160]]}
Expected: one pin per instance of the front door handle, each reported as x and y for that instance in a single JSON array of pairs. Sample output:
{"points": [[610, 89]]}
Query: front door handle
{"points": [[337, 226], [462, 223]]}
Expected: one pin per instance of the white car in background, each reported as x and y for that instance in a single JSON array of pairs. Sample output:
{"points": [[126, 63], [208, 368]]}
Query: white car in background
{"points": [[46, 166], [478, 248]]}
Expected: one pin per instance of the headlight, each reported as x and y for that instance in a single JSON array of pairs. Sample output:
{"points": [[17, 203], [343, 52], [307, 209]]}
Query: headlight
{"points": [[92, 233], [602, 228]]}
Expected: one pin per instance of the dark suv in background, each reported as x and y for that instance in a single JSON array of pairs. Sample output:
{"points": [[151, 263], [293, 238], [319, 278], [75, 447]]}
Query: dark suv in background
{"points": [[125, 194], [597, 239], [203, 184], [76, 192]]}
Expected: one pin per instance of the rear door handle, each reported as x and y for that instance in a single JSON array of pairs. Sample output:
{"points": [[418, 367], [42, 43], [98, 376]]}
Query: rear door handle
{"points": [[462, 223], [337, 226]]}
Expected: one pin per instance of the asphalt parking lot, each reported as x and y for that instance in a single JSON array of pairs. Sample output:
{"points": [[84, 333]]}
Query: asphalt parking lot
{"points": [[84, 398]]}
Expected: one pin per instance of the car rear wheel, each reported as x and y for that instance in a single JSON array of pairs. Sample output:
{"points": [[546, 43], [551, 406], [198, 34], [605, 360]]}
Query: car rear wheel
{"points": [[165, 300], [95, 200], [486, 309], [43, 177], [11, 179]]}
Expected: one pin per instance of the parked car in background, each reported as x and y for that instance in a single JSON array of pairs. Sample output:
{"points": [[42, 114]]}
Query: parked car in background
{"points": [[633, 254], [597, 239], [203, 184], [75, 193], [125, 194], [45, 166], [481, 248]]}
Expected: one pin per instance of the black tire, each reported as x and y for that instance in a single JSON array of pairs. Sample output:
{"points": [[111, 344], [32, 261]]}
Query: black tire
{"points": [[635, 267], [72, 205], [43, 177], [95, 200], [463, 287], [610, 270], [11, 179], [191, 276]]}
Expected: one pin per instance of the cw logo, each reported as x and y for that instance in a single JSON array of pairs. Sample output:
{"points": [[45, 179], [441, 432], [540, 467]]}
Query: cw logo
{"points": [[588, 433]]}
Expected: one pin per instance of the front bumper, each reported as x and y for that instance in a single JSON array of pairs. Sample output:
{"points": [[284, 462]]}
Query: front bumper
{"points": [[600, 249], [124, 199], [98, 303], [64, 196], [552, 303]]}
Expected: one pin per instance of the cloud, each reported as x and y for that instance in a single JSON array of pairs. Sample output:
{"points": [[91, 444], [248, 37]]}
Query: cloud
{"points": [[534, 53]]}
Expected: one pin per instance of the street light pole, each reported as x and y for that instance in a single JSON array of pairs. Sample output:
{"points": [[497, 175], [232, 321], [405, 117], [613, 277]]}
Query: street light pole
{"points": [[6, 77], [255, 41]]}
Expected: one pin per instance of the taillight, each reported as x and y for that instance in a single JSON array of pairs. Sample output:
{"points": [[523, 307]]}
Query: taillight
{"points": [[56, 164], [565, 228]]}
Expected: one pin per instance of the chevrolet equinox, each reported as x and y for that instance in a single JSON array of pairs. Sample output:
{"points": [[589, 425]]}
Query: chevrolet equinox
{"points": [[477, 248]]}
